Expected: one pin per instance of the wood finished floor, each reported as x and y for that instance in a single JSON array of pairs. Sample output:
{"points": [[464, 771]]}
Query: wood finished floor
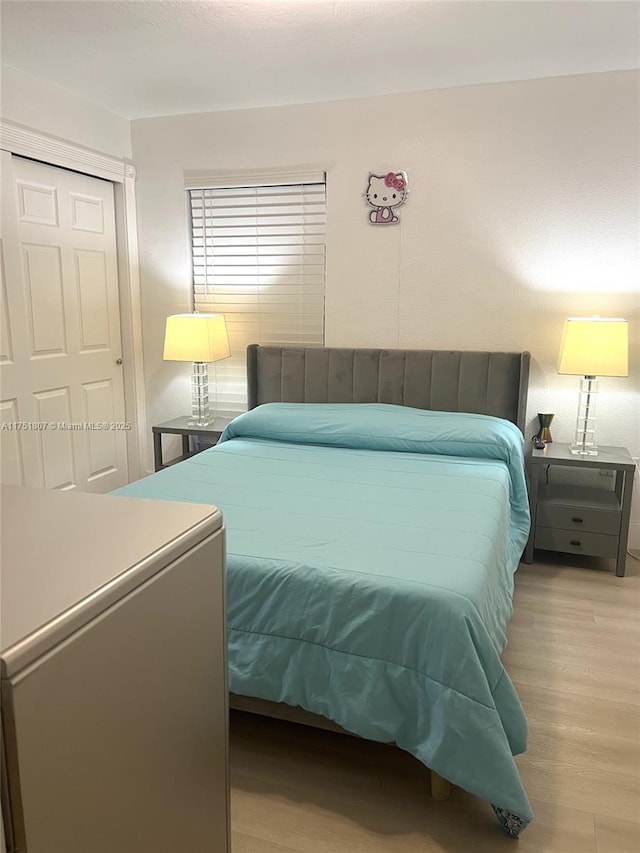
{"points": [[574, 656]]}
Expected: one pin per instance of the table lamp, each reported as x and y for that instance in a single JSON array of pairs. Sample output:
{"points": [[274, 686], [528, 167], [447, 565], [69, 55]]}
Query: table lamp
{"points": [[592, 347], [201, 339]]}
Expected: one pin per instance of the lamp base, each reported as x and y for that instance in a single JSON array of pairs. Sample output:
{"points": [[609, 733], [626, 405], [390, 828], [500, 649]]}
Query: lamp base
{"points": [[584, 442], [199, 422], [200, 413], [584, 450]]}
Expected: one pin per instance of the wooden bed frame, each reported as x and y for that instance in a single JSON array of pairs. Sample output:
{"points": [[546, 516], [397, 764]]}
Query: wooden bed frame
{"points": [[489, 383]]}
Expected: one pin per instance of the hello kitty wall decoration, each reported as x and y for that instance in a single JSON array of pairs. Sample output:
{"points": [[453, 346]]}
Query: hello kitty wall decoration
{"points": [[385, 194]]}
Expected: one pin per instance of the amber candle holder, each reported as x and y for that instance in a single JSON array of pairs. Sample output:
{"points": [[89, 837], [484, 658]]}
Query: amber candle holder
{"points": [[544, 433]]}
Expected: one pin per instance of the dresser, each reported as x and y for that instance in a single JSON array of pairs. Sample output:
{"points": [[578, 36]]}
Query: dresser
{"points": [[581, 519], [113, 675]]}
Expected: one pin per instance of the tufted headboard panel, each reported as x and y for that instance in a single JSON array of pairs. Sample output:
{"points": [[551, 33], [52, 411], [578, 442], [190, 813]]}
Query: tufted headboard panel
{"points": [[488, 383]]}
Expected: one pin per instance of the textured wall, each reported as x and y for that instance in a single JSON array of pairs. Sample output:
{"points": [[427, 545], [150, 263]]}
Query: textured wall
{"points": [[523, 210], [40, 105]]}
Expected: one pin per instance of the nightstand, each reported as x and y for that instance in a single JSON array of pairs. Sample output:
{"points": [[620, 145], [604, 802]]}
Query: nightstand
{"points": [[578, 519], [180, 426]]}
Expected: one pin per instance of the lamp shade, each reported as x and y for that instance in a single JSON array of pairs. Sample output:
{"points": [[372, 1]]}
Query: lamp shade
{"points": [[196, 337], [595, 346]]}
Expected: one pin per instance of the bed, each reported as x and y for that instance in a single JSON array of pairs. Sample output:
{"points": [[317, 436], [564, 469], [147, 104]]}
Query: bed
{"points": [[376, 510]]}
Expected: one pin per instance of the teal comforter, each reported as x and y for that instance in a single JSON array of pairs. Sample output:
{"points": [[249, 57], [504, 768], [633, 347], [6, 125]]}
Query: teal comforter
{"points": [[371, 552]]}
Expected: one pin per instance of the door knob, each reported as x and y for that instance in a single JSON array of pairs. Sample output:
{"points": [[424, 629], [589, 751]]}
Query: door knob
{"points": [[118, 361]]}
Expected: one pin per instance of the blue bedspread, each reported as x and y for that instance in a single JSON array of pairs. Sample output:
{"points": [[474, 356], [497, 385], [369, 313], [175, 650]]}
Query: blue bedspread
{"points": [[371, 551]]}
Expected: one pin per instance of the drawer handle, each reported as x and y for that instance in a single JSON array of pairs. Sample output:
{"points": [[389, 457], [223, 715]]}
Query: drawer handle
{"points": [[575, 542], [577, 520]]}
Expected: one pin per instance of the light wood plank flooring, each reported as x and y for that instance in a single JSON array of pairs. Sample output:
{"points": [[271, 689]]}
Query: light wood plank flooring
{"points": [[574, 656]]}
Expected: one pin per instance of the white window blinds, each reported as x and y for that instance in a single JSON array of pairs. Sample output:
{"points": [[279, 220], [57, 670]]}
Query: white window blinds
{"points": [[259, 259]]}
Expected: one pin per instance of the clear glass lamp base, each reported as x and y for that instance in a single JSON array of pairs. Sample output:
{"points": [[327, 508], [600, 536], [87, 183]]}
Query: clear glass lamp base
{"points": [[200, 413], [584, 441], [584, 450]]}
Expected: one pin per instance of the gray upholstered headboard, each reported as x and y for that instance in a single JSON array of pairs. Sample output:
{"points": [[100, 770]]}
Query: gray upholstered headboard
{"points": [[488, 383]]}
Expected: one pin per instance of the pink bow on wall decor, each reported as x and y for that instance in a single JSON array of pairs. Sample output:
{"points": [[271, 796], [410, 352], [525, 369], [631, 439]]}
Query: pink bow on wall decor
{"points": [[394, 180], [385, 193]]}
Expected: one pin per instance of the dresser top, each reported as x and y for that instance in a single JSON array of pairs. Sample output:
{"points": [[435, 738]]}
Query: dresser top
{"points": [[60, 550]]}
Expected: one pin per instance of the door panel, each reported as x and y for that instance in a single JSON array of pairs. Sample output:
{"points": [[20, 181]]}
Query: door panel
{"points": [[55, 450], [37, 203], [60, 331], [99, 408], [87, 213], [93, 300], [12, 469], [42, 279], [6, 349]]}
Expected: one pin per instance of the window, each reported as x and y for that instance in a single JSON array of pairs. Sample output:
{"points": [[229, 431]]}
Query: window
{"points": [[259, 259]]}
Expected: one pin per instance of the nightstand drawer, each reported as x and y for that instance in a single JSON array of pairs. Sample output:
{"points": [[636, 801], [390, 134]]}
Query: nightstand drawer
{"points": [[578, 519], [576, 542]]}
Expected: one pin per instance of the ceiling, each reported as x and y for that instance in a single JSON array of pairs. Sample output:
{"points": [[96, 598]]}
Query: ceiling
{"points": [[142, 58]]}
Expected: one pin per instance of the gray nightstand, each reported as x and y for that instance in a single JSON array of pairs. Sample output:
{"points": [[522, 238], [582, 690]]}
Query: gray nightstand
{"points": [[179, 426], [579, 519]]}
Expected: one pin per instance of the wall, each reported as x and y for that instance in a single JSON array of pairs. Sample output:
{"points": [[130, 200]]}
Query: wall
{"points": [[523, 210], [42, 106]]}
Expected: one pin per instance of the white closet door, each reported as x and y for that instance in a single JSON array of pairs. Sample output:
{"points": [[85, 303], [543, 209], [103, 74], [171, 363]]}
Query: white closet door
{"points": [[60, 353]]}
